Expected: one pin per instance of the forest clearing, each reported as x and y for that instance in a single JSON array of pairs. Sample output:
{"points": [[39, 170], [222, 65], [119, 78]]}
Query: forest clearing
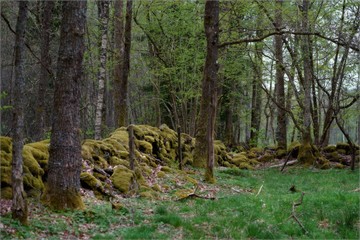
{"points": [[181, 119]]}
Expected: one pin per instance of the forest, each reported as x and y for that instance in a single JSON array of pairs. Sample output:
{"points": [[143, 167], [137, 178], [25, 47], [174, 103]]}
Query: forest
{"points": [[154, 119]]}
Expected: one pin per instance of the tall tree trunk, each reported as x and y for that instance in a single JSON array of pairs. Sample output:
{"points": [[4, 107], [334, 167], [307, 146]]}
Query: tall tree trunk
{"points": [[118, 57], [256, 97], [45, 59], [19, 204], [63, 190], [306, 153], [103, 10], [123, 98], [204, 148], [281, 133]]}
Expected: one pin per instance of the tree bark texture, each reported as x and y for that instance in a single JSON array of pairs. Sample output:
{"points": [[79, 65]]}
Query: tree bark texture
{"points": [[103, 11], [204, 148], [40, 111], [119, 55], [281, 133], [123, 98], [19, 204], [63, 190]]}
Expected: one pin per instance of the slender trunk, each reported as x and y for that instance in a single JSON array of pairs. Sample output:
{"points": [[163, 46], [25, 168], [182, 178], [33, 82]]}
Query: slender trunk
{"points": [[19, 204], [45, 59], [118, 57], [103, 10], [63, 189], [281, 132], [123, 98], [204, 148], [256, 97]]}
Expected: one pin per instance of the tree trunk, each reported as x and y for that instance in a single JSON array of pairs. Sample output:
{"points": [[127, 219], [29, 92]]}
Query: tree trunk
{"points": [[63, 190], [119, 56], [123, 98], [45, 59], [103, 10], [19, 204], [256, 97], [281, 133], [204, 149], [306, 152]]}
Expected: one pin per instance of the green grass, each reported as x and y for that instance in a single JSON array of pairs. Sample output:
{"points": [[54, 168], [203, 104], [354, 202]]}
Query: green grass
{"points": [[330, 210]]}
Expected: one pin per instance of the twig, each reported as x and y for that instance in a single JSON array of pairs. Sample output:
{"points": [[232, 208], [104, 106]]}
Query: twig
{"points": [[287, 159], [259, 190], [293, 214]]}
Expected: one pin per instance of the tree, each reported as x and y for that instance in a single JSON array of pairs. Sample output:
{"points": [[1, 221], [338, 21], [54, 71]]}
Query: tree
{"points": [[19, 204], [63, 189], [204, 148], [281, 133], [45, 72], [123, 97], [103, 11]]}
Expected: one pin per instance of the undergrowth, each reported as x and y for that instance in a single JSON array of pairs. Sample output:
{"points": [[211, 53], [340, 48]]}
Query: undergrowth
{"points": [[248, 204]]}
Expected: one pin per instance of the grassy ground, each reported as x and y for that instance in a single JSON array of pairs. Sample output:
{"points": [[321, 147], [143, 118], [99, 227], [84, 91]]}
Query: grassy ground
{"points": [[248, 204]]}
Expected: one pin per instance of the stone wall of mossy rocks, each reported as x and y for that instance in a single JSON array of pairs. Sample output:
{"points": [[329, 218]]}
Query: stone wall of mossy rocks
{"points": [[105, 163]]}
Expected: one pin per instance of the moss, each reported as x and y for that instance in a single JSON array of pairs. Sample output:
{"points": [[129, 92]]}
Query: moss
{"points": [[145, 169], [32, 182], [31, 162], [5, 144], [239, 158], [161, 174], [343, 146], [227, 164], [192, 180], [329, 149], [114, 161], [122, 178], [334, 156], [148, 195], [209, 175], [266, 157], [342, 151], [166, 169], [99, 176], [6, 192], [168, 133], [62, 200], [5, 158], [245, 165], [156, 187], [90, 182], [5, 176], [144, 146], [306, 155], [100, 161], [294, 149], [280, 153], [339, 166], [149, 139]]}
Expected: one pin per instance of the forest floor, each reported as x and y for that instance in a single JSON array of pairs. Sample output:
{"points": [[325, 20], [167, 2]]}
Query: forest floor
{"points": [[260, 204]]}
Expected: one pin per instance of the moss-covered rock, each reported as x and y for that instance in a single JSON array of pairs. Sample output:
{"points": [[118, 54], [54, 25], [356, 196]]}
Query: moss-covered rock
{"points": [[343, 146], [280, 153], [293, 149], [267, 157], [30, 161], [144, 146], [5, 144], [306, 154], [329, 149], [5, 158], [5, 176], [123, 178], [90, 182], [239, 158]]}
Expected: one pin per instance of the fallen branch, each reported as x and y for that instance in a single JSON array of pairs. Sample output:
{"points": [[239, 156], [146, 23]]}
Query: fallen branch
{"points": [[293, 213], [242, 190], [289, 163], [194, 195]]}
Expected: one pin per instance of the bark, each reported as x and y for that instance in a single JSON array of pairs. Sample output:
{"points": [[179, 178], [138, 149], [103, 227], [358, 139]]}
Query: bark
{"points": [[63, 189], [103, 10], [45, 59], [123, 98], [119, 53], [19, 204], [281, 132], [204, 148]]}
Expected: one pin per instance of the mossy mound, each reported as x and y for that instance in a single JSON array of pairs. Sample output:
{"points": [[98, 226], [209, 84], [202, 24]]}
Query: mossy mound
{"points": [[293, 149], [123, 178], [329, 149]]}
